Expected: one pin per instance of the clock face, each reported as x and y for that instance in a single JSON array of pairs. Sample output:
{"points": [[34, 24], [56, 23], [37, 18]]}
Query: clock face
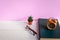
{"points": [[51, 25]]}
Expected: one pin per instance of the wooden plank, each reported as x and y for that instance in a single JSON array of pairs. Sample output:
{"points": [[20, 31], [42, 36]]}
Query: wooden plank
{"points": [[49, 38]]}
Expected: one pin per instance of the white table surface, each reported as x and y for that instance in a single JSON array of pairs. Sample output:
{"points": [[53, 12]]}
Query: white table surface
{"points": [[15, 30]]}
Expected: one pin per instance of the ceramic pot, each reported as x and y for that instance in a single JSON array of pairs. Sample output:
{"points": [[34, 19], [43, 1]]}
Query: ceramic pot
{"points": [[30, 23]]}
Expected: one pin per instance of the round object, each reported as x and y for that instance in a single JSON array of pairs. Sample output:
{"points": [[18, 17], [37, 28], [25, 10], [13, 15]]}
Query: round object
{"points": [[51, 23]]}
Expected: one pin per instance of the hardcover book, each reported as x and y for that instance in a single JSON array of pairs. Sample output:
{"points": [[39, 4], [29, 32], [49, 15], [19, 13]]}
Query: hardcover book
{"points": [[45, 33]]}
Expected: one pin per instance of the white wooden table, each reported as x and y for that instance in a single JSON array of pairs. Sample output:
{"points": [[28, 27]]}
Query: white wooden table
{"points": [[15, 30]]}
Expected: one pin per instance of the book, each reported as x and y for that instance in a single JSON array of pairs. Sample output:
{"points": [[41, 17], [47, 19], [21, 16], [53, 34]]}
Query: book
{"points": [[44, 32]]}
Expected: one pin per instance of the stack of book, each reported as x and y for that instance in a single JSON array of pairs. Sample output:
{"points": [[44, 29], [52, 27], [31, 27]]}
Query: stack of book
{"points": [[44, 32]]}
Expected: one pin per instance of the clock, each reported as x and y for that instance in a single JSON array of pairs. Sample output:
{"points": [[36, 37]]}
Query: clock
{"points": [[51, 23]]}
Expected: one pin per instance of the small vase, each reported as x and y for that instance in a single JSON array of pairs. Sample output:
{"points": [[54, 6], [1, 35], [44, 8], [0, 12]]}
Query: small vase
{"points": [[30, 23]]}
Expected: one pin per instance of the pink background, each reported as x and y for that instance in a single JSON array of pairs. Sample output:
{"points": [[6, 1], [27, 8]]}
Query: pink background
{"points": [[21, 9]]}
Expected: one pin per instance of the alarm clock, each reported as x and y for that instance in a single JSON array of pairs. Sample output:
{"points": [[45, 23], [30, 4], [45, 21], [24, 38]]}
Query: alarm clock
{"points": [[51, 23]]}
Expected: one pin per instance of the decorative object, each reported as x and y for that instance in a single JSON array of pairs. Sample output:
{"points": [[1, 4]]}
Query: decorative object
{"points": [[30, 20], [51, 23]]}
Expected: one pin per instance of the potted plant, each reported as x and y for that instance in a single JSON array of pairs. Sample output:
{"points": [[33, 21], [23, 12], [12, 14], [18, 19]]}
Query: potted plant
{"points": [[30, 20]]}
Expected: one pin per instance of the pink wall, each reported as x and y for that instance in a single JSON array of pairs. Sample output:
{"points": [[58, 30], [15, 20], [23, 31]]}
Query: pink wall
{"points": [[21, 9]]}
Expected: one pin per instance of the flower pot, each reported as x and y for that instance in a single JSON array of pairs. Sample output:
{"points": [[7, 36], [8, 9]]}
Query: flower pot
{"points": [[30, 23], [30, 20]]}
